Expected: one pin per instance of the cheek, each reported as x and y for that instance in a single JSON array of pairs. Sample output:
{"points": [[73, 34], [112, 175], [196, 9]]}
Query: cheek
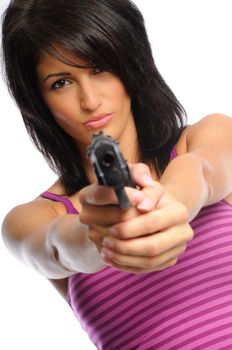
{"points": [[121, 96], [67, 122], [62, 109], [66, 113]]}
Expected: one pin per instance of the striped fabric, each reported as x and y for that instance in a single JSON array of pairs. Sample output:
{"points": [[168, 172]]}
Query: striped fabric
{"points": [[188, 306]]}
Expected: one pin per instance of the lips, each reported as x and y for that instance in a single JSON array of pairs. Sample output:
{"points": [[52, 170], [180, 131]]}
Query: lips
{"points": [[98, 121]]}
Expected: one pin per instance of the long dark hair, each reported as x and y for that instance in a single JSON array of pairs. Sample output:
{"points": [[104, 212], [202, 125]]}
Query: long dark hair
{"points": [[109, 34]]}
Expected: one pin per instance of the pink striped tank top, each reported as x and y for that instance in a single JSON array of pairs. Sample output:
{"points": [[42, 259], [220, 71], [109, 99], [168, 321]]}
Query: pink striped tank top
{"points": [[187, 306]]}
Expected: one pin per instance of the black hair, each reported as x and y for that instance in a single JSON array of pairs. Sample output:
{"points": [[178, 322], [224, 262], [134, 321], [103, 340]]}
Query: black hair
{"points": [[109, 34]]}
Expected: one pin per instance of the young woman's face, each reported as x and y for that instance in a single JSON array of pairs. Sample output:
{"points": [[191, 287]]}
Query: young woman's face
{"points": [[85, 100]]}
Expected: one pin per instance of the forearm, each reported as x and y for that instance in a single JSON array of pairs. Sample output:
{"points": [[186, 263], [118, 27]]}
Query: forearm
{"points": [[62, 249], [68, 237], [188, 178]]}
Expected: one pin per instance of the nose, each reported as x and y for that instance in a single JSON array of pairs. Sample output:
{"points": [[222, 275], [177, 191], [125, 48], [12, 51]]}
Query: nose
{"points": [[90, 98]]}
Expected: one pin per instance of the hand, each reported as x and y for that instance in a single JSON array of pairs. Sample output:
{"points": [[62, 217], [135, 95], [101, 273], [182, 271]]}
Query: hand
{"points": [[147, 237], [100, 210], [151, 241], [100, 207]]}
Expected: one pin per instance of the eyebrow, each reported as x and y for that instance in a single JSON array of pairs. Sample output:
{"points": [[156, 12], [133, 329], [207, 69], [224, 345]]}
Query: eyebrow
{"points": [[61, 74]]}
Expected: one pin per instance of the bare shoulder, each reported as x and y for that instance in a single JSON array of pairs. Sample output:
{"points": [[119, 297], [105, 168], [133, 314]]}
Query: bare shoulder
{"points": [[212, 133], [58, 189], [27, 219], [24, 219], [213, 127]]}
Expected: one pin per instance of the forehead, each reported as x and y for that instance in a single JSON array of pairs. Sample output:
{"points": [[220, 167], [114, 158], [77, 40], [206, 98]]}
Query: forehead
{"points": [[61, 57]]}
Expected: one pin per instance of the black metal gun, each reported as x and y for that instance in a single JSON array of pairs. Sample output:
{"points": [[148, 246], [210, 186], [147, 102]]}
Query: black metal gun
{"points": [[110, 168]]}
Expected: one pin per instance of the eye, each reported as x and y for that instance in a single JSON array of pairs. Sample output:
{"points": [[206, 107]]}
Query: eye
{"points": [[60, 84]]}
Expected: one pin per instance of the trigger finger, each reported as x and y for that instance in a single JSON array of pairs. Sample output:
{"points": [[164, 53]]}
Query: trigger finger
{"points": [[151, 197], [95, 194]]}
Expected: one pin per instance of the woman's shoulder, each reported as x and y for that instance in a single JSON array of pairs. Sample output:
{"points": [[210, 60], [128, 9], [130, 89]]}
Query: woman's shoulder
{"points": [[201, 129], [213, 129], [181, 145], [209, 128], [57, 198]]}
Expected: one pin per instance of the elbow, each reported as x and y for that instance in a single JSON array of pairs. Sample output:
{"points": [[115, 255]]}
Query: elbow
{"points": [[9, 235]]}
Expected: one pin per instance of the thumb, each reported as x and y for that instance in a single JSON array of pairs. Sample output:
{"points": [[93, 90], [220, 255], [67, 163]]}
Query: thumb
{"points": [[141, 174]]}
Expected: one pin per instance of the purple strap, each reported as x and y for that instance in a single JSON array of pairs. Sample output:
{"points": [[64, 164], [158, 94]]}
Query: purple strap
{"points": [[173, 153], [67, 203]]}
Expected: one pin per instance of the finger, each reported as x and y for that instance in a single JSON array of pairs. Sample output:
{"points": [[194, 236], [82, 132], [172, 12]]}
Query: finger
{"points": [[151, 197], [105, 195], [95, 237], [139, 270], [147, 223], [141, 174], [151, 245], [106, 215], [143, 262], [97, 195]]}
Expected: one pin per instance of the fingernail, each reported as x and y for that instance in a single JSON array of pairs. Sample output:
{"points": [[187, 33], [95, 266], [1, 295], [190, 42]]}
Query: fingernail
{"points": [[146, 204], [106, 253], [113, 231], [147, 180], [106, 261], [137, 196], [108, 242]]}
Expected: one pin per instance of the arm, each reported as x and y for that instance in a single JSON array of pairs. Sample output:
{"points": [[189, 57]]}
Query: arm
{"points": [[54, 245], [152, 238], [201, 175]]}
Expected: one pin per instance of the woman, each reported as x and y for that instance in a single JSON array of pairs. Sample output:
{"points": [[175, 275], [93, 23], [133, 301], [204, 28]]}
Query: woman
{"points": [[78, 67]]}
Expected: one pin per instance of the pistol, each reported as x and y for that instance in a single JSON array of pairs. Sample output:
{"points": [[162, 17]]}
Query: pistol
{"points": [[110, 168]]}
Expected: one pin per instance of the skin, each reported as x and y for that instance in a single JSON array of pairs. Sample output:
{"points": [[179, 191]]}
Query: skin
{"points": [[81, 94], [151, 234]]}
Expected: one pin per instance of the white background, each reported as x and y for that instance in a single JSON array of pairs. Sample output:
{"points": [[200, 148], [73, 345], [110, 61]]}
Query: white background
{"points": [[191, 42]]}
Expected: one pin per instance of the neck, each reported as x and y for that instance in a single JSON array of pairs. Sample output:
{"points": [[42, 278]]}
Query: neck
{"points": [[128, 142]]}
